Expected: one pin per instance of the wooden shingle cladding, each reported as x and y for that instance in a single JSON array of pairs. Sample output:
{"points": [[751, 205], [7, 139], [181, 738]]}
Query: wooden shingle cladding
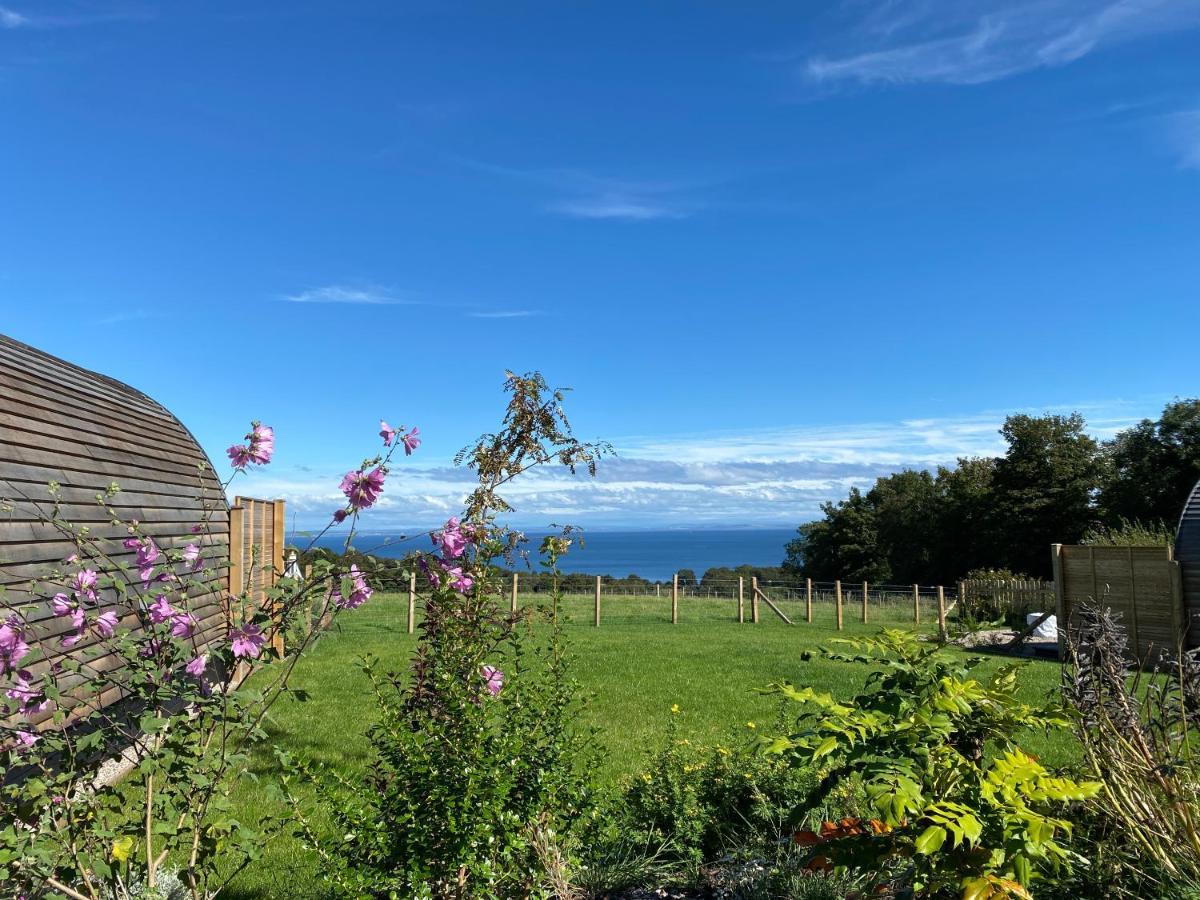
{"points": [[84, 431], [1187, 552]]}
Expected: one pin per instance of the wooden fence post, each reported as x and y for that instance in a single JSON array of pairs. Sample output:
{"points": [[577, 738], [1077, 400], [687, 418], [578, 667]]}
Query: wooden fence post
{"points": [[278, 526], [754, 599], [741, 600], [512, 603], [675, 599], [916, 604], [412, 602], [1060, 605], [962, 599], [864, 603], [596, 620], [941, 594], [808, 600], [837, 599], [237, 525]]}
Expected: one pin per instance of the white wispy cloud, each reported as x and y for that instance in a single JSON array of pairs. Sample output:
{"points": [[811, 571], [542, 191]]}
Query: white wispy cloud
{"points": [[976, 41], [581, 194], [503, 314], [767, 477], [10, 18], [335, 293]]}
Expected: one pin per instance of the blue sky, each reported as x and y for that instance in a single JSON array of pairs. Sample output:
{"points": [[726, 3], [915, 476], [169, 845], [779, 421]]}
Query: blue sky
{"points": [[776, 248]]}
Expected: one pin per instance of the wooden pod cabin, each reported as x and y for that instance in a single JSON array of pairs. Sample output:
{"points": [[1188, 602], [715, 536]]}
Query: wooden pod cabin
{"points": [[85, 432], [1187, 553]]}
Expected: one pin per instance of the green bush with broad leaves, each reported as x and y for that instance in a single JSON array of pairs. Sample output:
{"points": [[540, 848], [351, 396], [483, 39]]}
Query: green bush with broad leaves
{"points": [[962, 810]]}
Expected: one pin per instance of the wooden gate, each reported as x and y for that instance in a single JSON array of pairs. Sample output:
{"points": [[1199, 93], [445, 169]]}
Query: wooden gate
{"points": [[1142, 584], [256, 532]]}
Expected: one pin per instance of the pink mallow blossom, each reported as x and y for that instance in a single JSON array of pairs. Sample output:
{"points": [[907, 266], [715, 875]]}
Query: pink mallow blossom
{"points": [[191, 556], [493, 679], [105, 624], [360, 593], [12, 645], [62, 605], [30, 698], [78, 625], [84, 584], [259, 449], [197, 666], [247, 642], [411, 441], [161, 610], [183, 624], [451, 539], [25, 741], [460, 582], [339, 516], [362, 489], [387, 432]]}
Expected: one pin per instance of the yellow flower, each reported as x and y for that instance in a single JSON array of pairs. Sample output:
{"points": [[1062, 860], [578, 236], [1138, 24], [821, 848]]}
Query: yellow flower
{"points": [[646, 777], [674, 709], [751, 725], [121, 848], [722, 751]]}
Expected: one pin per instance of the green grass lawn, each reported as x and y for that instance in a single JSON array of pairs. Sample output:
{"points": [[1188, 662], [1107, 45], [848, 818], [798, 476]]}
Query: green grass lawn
{"points": [[635, 666]]}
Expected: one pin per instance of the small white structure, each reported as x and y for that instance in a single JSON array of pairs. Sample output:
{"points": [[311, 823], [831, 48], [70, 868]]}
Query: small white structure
{"points": [[1047, 631]]}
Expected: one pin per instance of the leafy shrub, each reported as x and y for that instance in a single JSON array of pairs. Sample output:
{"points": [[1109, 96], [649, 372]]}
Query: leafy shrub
{"points": [[1130, 533], [961, 808], [701, 802], [475, 782]]}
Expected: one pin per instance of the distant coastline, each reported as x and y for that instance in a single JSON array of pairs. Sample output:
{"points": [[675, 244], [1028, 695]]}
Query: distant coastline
{"points": [[651, 554]]}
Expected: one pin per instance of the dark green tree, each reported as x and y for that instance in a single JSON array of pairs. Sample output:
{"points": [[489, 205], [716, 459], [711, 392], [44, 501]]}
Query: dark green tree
{"points": [[905, 507], [844, 544], [1153, 466], [1043, 489], [966, 535]]}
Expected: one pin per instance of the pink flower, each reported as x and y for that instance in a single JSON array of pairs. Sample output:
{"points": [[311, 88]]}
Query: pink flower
{"points": [[452, 539], [258, 452], [239, 455], [150, 647], [105, 624], [411, 441], [84, 584], [183, 624], [62, 605], [247, 641], [493, 679], [262, 443], [12, 645], [26, 740], [460, 582], [78, 623], [362, 489], [160, 610], [339, 515], [387, 432], [30, 699], [191, 556], [360, 593], [197, 666], [72, 559]]}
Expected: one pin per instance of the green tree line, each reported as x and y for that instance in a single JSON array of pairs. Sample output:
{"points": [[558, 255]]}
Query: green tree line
{"points": [[1054, 484]]}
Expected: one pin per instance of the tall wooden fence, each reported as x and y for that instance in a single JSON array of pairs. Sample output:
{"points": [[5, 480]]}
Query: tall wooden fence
{"points": [[256, 533], [1142, 584]]}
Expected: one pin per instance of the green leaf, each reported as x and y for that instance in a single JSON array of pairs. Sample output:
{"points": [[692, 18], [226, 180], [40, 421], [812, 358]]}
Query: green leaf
{"points": [[931, 840]]}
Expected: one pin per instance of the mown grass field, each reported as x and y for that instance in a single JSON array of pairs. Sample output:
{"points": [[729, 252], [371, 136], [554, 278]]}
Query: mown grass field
{"points": [[635, 666]]}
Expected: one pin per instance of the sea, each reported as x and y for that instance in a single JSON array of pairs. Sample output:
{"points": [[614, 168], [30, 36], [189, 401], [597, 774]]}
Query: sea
{"points": [[654, 555]]}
